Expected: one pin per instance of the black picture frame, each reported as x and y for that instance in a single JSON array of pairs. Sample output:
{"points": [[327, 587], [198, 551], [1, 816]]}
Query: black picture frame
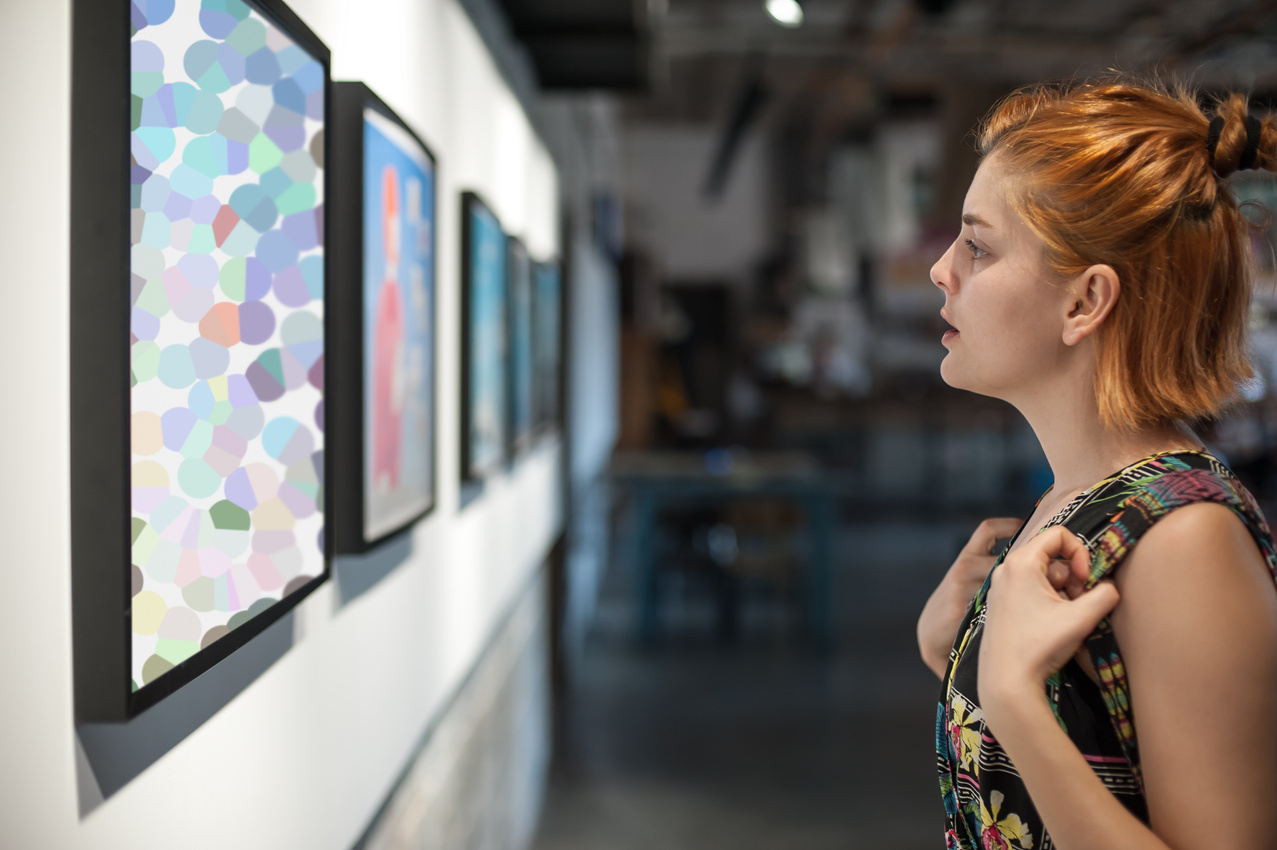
{"points": [[520, 350], [483, 341], [100, 372], [352, 101]]}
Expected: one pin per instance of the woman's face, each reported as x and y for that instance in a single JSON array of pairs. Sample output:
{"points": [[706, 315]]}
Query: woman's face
{"points": [[1005, 306]]}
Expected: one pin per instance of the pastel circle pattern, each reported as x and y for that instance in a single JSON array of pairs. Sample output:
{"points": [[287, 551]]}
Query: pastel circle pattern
{"points": [[226, 323]]}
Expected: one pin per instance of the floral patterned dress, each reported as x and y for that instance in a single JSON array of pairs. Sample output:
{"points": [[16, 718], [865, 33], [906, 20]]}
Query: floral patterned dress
{"points": [[987, 806]]}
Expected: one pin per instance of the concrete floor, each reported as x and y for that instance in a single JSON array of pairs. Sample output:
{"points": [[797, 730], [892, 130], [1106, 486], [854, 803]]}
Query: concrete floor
{"points": [[759, 744]]}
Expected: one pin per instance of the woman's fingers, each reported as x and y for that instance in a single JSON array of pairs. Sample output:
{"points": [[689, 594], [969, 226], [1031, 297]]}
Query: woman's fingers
{"points": [[1058, 573], [1087, 610], [1099, 601], [1059, 545], [1074, 587], [1037, 612], [988, 532]]}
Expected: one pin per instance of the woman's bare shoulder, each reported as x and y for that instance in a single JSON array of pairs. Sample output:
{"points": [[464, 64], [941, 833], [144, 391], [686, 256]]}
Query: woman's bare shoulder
{"points": [[1197, 627], [1201, 541], [1202, 558]]}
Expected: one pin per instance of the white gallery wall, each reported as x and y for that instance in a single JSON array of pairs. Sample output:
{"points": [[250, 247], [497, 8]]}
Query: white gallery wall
{"points": [[303, 756], [583, 131]]}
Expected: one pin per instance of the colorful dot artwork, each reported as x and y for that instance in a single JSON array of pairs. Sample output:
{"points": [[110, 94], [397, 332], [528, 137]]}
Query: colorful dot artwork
{"points": [[227, 331]]}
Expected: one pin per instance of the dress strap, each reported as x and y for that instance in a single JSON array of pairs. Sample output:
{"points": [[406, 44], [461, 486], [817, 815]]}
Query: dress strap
{"points": [[1112, 541]]}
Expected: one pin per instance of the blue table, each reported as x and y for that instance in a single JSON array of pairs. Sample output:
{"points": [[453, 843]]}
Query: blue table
{"points": [[656, 481]]}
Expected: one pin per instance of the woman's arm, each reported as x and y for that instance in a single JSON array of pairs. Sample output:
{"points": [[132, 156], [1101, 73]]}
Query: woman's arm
{"points": [[1198, 631], [1077, 809]]}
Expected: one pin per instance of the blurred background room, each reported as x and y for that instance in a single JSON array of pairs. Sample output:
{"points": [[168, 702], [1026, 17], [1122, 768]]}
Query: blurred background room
{"points": [[792, 477], [682, 615]]}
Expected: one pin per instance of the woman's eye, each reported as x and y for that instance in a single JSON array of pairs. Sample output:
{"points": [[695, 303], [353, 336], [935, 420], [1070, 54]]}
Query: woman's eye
{"points": [[976, 251]]}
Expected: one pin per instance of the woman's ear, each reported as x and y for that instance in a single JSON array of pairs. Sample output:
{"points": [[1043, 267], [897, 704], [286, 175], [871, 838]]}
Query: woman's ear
{"points": [[1094, 292]]}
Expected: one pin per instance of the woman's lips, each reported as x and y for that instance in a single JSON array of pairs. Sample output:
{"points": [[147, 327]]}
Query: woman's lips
{"points": [[950, 334]]}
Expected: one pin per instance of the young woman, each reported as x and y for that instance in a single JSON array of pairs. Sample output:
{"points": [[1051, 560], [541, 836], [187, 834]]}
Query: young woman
{"points": [[1110, 679]]}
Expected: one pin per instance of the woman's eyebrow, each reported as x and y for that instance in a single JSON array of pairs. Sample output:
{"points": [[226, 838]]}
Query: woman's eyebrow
{"points": [[972, 220]]}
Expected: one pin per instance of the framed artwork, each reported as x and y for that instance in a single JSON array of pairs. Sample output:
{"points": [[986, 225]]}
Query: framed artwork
{"points": [[519, 342], [547, 342], [198, 337], [483, 339], [383, 282]]}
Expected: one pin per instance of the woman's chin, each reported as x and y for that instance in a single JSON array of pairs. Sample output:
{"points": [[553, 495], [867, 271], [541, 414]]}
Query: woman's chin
{"points": [[952, 374], [949, 373], [954, 377]]}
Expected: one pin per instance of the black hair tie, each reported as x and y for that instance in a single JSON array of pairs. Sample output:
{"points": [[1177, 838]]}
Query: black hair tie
{"points": [[1253, 129], [1212, 135]]}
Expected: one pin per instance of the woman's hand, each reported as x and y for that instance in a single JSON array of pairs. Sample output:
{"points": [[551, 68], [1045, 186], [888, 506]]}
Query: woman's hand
{"points": [[942, 615], [1036, 618]]}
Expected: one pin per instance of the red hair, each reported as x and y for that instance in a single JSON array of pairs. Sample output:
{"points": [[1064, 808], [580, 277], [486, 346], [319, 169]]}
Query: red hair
{"points": [[1120, 173]]}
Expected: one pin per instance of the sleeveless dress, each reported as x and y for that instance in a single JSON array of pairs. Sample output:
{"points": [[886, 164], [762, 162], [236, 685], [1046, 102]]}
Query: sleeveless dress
{"points": [[987, 806]]}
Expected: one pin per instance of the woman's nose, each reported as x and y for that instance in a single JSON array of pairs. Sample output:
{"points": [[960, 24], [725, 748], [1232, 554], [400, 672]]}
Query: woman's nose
{"points": [[942, 271]]}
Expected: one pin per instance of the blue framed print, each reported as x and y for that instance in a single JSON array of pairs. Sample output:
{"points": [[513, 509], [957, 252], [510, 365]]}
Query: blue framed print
{"points": [[483, 331], [384, 285]]}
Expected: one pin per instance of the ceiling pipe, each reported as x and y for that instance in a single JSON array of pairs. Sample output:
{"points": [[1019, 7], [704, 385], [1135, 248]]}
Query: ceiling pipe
{"points": [[749, 101]]}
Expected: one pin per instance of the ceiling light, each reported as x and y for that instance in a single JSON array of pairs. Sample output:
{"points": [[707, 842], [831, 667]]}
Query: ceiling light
{"points": [[787, 13]]}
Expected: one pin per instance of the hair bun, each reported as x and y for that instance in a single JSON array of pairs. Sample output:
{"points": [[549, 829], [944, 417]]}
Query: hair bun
{"points": [[1237, 140], [1212, 134]]}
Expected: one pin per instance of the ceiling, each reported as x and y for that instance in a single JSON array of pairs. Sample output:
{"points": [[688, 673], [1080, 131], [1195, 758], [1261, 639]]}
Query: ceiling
{"points": [[860, 57], [853, 63], [585, 44]]}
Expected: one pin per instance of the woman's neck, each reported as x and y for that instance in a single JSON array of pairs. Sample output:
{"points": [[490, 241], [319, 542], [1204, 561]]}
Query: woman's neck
{"points": [[1081, 450]]}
